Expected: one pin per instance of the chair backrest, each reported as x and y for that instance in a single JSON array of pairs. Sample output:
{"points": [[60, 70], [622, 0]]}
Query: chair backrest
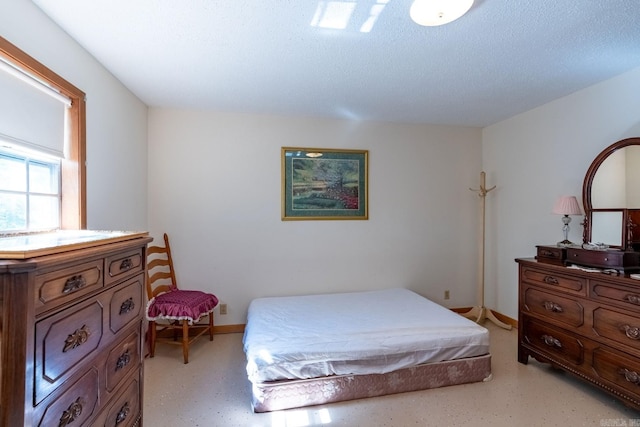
{"points": [[161, 276]]}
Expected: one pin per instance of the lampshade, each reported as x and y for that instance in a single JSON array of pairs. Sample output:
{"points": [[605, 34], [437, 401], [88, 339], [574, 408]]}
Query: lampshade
{"points": [[432, 13], [567, 205]]}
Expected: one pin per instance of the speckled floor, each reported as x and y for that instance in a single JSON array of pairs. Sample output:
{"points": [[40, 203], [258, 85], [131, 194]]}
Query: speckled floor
{"points": [[212, 390]]}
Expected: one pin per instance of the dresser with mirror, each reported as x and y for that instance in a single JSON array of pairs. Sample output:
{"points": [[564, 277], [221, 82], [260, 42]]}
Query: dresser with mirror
{"points": [[579, 306]]}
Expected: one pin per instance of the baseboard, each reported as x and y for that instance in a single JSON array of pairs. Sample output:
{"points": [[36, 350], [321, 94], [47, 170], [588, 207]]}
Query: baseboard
{"points": [[501, 317], [228, 329]]}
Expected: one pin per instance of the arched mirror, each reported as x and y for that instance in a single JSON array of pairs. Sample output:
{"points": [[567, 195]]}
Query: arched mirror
{"points": [[611, 196]]}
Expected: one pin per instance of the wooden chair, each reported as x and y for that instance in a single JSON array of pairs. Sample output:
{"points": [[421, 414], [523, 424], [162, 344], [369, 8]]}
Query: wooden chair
{"points": [[171, 310]]}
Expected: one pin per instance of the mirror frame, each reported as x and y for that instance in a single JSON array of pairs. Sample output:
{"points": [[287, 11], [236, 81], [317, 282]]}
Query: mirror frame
{"points": [[586, 192]]}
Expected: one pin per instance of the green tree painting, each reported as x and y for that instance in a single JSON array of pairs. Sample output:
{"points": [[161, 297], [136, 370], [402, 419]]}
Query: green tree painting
{"points": [[325, 184]]}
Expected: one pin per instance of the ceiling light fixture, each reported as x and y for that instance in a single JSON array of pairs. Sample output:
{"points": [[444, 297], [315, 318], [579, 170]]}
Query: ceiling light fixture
{"points": [[432, 13]]}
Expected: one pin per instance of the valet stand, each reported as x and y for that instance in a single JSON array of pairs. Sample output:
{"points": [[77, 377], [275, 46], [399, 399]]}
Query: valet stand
{"points": [[481, 313]]}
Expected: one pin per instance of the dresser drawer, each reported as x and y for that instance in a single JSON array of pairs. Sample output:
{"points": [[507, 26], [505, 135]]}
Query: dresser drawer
{"points": [[124, 410], [122, 359], [553, 307], [610, 293], [619, 327], [621, 370], [60, 286], [615, 259], [74, 406], [123, 265], [557, 343], [63, 342], [573, 284], [551, 254], [126, 304]]}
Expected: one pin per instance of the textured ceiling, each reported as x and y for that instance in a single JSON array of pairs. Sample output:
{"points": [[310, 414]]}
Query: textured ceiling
{"points": [[502, 58]]}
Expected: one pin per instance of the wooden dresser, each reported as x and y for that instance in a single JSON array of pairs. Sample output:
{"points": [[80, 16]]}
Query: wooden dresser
{"points": [[587, 323], [71, 338]]}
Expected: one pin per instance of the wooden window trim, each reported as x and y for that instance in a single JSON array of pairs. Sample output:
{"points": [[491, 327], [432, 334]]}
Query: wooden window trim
{"points": [[74, 178]]}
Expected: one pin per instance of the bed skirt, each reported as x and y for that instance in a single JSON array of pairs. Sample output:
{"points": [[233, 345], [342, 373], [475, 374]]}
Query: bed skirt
{"points": [[286, 394]]}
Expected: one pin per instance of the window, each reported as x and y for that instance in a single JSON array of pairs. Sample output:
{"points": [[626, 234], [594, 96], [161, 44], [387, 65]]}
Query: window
{"points": [[33, 186], [29, 192]]}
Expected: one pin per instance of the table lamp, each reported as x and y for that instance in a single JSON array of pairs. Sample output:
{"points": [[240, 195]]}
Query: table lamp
{"points": [[566, 205]]}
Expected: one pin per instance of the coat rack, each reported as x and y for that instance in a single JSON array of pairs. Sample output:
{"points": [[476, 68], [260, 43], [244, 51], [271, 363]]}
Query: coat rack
{"points": [[480, 313]]}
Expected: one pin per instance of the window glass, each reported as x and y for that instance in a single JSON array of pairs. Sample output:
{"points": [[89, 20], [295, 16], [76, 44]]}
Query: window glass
{"points": [[13, 173], [13, 212], [43, 213], [30, 192], [43, 177]]}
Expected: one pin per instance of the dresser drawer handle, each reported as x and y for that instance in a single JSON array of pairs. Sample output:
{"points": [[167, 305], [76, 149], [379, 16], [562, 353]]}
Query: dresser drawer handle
{"points": [[124, 412], [631, 331], [123, 360], [630, 376], [546, 252], [71, 414], [74, 283], [551, 341], [633, 299], [553, 307], [80, 336], [127, 306], [126, 264], [550, 280]]}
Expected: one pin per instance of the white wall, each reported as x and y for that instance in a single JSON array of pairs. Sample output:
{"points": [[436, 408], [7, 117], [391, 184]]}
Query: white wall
{"points": [[116, 119], [541, 154], [215, 188]]}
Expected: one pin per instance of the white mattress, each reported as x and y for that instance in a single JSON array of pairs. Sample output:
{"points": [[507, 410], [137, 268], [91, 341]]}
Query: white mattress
{"points": [[353, 333]]}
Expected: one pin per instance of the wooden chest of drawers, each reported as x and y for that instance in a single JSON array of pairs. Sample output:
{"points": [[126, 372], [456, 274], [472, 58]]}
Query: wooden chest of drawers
{"points": [[72, 334], [585, 323]]}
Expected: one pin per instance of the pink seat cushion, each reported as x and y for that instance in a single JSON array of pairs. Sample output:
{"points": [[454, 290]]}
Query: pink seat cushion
{"points": [[180, 305]]}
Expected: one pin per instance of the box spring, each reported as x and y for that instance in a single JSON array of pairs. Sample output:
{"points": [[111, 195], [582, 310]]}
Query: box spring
{"points": [[286, 394]]}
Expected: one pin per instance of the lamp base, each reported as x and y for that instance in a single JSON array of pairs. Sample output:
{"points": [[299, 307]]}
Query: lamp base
{"points": [[481, 313], [565, 244]]}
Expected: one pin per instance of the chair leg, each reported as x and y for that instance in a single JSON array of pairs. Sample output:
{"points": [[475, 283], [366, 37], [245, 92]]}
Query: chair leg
{"points": [[185, 341], [211, 326], [152, 338]]}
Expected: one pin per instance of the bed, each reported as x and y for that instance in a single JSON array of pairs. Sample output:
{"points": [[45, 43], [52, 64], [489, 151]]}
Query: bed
{"points": [[315, 349]]}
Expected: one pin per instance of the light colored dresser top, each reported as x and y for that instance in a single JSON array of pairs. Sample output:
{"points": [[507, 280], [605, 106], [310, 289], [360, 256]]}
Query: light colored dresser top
{"points": [[29, 245]]}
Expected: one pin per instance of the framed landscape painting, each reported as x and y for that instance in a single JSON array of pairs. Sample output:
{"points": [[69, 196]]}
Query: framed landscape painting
{"points": [[320, 183]]}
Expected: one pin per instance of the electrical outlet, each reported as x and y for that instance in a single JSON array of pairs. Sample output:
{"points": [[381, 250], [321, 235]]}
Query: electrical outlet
{"points": [[446, 295], [223, 308]]}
